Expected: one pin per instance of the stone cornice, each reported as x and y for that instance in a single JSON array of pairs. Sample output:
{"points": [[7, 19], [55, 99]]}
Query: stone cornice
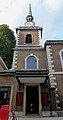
{"points": [[53, 42], [38, 73], [7, 73], [29, 28], [24, 47], [25, 73]]}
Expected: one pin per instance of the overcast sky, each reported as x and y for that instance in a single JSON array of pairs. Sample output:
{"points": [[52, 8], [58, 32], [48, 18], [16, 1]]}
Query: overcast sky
{"points": [[47, 14]]}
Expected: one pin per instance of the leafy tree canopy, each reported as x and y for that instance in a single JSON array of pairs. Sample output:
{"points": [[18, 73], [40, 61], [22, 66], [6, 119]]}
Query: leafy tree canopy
{"points": [[7, 42]]}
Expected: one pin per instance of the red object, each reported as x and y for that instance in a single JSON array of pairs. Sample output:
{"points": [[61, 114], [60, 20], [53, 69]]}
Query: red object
{"points": [[0, 115], [5, 107], [4, 112], [19, 98], [44, 98]]}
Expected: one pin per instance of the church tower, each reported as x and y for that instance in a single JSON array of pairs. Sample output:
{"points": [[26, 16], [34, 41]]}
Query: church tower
{"points": [[29, 63], [28, 38]]}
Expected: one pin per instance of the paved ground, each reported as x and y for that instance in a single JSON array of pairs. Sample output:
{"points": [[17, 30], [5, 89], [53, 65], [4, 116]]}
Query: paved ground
{"points": [[37, 118]]}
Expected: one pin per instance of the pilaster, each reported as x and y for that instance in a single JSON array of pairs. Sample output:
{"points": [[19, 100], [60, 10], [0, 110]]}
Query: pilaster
{"points": [[52, 77]]}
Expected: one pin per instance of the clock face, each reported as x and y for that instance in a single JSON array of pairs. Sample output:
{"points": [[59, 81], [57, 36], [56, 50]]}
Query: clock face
{"points": [[30, 24]]}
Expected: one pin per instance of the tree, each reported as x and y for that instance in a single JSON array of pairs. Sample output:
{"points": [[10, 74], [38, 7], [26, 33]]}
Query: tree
{"points": [[7, 42]]}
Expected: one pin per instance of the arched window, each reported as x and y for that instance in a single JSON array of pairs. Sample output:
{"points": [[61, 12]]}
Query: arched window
{"points": [[31, 62], [61, 58], [28, 38]]}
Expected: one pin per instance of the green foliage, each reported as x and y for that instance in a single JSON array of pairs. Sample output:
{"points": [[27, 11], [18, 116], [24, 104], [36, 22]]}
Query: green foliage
{"points": [[7, 42]]}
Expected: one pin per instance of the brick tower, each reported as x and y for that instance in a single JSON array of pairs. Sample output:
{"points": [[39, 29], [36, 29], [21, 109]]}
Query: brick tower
{"points": [[30, 63]]}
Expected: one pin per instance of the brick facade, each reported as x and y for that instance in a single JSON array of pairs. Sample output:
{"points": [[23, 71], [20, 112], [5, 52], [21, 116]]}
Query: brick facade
{"points": [[40, 54], [22, 36], [45, 80]]}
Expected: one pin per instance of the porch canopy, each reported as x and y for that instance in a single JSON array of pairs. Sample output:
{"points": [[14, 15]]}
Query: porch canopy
{"points": [[32, 76]]}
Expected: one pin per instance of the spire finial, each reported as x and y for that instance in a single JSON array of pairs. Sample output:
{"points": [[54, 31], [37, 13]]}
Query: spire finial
{"points": [[30, 12], [29, 18]]}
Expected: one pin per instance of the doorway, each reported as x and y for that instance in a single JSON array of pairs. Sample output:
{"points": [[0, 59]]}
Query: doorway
{"points": [[32, 100]]}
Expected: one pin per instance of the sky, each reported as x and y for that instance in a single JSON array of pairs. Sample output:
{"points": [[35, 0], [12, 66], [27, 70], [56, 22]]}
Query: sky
{"points": [[47, 14]]}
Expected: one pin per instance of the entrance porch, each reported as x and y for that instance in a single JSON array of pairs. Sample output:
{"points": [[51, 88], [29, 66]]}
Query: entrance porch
{"points": [[32, 82]]}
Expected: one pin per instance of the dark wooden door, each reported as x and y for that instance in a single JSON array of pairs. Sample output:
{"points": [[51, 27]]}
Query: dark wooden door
{"points": [[32, 100]]}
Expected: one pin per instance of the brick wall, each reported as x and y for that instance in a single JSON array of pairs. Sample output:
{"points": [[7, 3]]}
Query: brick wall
{"points": [[55, 71], [22, 36], [41, 55], [56, 57]]}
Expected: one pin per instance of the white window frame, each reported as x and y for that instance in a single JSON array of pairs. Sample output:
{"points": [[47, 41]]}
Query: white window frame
{"points": [[33, 56], [60, 53]]}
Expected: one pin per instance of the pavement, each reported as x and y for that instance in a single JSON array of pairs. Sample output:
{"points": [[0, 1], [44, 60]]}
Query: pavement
{"points": [[37, 118]]}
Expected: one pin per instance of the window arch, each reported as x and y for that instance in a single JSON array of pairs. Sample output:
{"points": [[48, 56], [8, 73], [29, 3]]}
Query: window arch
{"points": [[31, 62], [28, 38], [61, 58]]}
